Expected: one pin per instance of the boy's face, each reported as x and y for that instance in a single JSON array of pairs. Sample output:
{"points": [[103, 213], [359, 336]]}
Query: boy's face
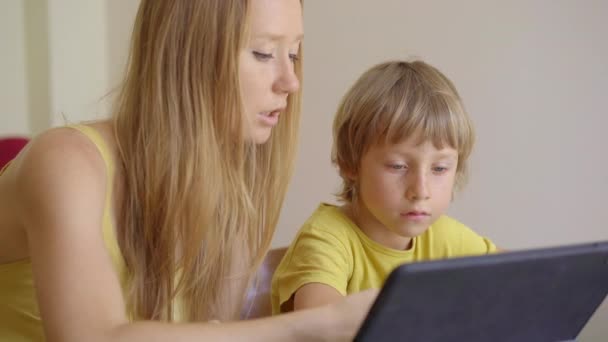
{"points": [[403, 189]]}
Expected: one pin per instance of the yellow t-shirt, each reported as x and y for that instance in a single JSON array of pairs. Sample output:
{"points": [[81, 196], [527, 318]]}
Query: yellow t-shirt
{"points": [[330, 249]]}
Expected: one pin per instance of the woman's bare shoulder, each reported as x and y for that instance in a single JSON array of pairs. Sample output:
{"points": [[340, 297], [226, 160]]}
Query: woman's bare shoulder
{"points": [[58, 169], [57, 148]]}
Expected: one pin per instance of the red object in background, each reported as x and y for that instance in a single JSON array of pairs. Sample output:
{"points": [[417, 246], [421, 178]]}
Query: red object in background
{"points": [[9, 148]]}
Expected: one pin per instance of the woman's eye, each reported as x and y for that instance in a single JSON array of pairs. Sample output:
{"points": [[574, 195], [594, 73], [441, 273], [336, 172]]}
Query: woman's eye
{"points": [[294, 57], [262, 56], [440, 169]]}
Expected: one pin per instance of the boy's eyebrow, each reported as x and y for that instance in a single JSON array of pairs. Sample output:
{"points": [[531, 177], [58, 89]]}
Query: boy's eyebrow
{"points": [[453, 155], [449, 155]]}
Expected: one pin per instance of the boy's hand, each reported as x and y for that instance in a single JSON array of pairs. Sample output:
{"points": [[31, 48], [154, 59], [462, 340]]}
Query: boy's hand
{"points": [[348, 314]]}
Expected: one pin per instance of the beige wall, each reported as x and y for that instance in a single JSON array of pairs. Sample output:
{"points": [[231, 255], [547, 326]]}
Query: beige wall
{"points": [[78, 59], [13, 93], [532, 74], [37, 67], [120, 15]]}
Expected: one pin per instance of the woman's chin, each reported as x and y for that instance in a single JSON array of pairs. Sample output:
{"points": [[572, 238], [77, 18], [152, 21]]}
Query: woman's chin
{"points": [[261, 135]]}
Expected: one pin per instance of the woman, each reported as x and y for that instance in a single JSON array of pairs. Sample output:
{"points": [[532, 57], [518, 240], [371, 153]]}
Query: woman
{"points": [[163, 213]]}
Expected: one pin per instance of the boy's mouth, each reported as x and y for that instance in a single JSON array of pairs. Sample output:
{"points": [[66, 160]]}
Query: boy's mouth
{"points": [[416, 214]]}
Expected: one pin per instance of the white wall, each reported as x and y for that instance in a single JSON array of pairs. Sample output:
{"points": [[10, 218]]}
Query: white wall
{"points": [[13, 99], [56, 65]]}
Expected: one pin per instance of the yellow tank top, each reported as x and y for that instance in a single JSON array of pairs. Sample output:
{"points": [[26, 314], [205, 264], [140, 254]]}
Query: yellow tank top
{"points": [[19, 316]]}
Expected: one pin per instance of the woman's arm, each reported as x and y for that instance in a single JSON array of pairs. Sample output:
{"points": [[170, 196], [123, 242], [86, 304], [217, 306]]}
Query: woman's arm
{"points": [[62, 186], [337, 322]]}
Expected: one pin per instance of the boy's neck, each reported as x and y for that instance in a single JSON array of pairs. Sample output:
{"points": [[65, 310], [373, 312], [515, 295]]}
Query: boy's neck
{"points": [[375, 230]]}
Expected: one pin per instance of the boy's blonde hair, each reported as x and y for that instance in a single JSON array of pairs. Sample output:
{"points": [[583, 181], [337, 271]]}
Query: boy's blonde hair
{"points": [[392, 102]]}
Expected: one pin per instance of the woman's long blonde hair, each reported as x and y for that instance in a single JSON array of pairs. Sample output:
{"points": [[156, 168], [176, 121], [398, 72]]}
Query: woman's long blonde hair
{"points": [[199, 203]]}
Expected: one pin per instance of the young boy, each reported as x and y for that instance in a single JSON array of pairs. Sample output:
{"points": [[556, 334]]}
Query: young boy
{"points": [[402, 140]]}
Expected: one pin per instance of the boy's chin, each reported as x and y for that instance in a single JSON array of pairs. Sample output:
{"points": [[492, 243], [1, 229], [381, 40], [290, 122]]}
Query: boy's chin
{"points": [[412, 232]]}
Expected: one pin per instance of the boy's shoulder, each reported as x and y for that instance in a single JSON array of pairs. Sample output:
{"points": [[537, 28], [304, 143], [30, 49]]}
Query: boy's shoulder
{"points": [[454, 238], [446, 224], [328, 219], [446, 228]]}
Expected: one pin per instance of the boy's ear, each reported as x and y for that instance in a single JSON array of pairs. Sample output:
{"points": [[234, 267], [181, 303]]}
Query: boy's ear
{"points": [[350, 174]]}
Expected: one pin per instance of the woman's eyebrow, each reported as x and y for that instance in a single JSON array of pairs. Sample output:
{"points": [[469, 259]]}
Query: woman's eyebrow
{"points": [[275, 37]]}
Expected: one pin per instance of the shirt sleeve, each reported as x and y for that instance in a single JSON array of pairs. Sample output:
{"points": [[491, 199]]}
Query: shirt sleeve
{"points": [[316, 256], [459, 240], [471, 243]]}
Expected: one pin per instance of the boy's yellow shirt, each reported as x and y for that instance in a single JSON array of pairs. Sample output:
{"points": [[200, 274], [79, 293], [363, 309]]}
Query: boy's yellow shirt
{"points": [[330, 249]]}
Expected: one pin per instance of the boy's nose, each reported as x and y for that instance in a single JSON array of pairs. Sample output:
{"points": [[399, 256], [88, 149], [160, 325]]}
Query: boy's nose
{"points": [[418, 189]]}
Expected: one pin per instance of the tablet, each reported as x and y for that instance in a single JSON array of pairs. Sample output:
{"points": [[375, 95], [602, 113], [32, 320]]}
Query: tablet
{"points": [[535, 295]]}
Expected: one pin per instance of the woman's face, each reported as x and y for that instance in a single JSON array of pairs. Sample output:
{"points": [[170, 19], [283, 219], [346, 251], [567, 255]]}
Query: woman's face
{"points": [[266, 63]]}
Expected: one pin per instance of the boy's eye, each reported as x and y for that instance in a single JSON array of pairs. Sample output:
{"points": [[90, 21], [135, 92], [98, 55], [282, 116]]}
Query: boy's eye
{"points": [[397, 166], [294, 57], [262, 56]]}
